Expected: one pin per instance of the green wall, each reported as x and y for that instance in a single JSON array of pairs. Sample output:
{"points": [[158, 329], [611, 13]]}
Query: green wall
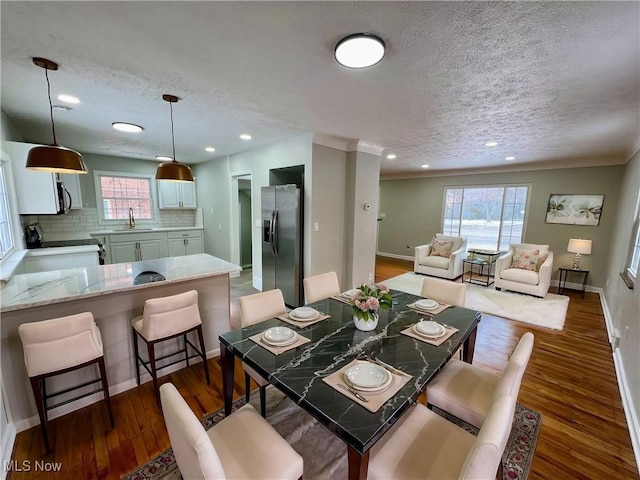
{"points": [[413, 211]]}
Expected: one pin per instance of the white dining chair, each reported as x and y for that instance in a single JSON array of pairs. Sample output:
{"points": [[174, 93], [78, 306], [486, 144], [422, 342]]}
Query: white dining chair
{"points": [[319, 287], [424, 445], [467, 391], [444, 291], [241, 446], [254, 309]]}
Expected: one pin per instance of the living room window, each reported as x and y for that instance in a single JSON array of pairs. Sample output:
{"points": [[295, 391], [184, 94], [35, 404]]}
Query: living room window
{"points": [[116, 193], [630, 275], [6, 236], [489, 217]]}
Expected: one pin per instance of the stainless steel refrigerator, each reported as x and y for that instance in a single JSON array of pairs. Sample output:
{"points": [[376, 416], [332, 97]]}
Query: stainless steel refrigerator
{"points": [[282, 242]]}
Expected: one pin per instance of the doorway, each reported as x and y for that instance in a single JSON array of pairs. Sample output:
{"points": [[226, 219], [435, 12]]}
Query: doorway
{"points": [[241, 219]]}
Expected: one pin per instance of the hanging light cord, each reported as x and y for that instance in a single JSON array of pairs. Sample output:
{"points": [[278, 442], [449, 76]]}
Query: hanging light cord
{"points": [[53, 125], [173, 142]]}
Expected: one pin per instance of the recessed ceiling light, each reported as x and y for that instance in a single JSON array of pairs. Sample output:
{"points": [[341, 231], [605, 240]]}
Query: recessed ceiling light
{"points": [[210, 149], [164, 158], [391, 156], [68, 98], [425, 166], [127, 127], [509, 158], [245, 136], [491, 144], [359, 50]]}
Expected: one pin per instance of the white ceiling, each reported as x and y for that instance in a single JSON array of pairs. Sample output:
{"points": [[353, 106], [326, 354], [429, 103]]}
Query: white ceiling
{"points": [[557, 84]]}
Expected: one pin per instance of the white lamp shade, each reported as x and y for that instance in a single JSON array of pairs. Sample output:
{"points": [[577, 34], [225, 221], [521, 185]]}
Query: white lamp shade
{"points": [[577, 245]]}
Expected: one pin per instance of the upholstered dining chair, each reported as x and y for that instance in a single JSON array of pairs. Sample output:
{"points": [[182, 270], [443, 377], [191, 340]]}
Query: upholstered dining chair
{"points": [[165, 318], [241, 446], [424, 445], [319, 287], [257, 308], [467, 392], [60, 345], [444, 291]]}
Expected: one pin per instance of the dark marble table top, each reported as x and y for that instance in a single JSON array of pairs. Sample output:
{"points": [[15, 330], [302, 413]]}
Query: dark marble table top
{"points": [[335, 342]]}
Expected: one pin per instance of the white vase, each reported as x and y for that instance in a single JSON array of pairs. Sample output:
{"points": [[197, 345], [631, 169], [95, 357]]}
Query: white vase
{"points": [[366, 325]]}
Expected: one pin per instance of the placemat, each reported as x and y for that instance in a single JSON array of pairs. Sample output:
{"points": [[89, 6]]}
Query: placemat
{"points": [[342, 299], [257, 338], [436, 342], [296, 323], [376, 399], [441, 308]]}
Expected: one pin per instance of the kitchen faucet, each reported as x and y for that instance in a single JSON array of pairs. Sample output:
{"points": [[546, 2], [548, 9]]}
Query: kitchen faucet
{"points": [[132, 221]]}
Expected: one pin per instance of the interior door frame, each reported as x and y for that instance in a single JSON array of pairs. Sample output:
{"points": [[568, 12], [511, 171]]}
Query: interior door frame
{"points": [[234, 215]]}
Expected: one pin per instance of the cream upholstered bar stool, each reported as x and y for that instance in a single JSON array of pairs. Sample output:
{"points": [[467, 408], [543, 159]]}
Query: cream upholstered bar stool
{"points": [[319, 287], [444, 291], [467, 392], [163, 319], [57, 346], [241, 446], [257, 308], [424, 445]]}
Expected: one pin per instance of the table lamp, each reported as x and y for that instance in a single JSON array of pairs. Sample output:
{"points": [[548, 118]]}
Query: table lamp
{"points": [[579, 247]]}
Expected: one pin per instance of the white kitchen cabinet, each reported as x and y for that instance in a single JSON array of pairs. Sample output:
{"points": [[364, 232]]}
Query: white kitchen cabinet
{"points": [[188, 242], [60, 258], [37, 192], [134, 247], [177, 195]]}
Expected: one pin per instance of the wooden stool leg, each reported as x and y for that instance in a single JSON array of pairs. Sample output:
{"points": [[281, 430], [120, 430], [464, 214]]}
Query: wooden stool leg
{"points": [[105, 388], [152, 363], [136, 354], [203, 353], [37, 393], [247, 387], [263, 401]]}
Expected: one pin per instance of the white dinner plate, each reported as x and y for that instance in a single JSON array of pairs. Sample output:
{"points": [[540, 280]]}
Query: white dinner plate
{"points": [[429, 329], [349, 293], [304, 314], [367, 377], [279, 336], [427, 304]]}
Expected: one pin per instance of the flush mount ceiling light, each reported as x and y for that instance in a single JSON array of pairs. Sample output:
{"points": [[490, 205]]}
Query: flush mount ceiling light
{"points": [[245, 136], [391, 156], [491, 144], [359, 50], [164, 158], [68, 98], [210, 149], [53, 158], [509, 158], [173, 171], [127, 127], [425, 166]]}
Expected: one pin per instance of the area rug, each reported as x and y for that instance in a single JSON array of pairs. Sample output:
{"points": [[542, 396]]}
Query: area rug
{"points": [[548, 312], [309, 438]]}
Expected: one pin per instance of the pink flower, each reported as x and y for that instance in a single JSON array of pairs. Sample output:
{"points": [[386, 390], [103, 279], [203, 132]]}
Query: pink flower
{"points": [[373, 303], [383, 288]]}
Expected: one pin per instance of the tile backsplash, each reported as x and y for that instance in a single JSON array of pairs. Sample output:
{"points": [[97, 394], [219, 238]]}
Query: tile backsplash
{"points": [[86, 220]]}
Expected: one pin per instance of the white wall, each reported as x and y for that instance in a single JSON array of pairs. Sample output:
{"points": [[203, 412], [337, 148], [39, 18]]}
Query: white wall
{"points": [[622, 303]]}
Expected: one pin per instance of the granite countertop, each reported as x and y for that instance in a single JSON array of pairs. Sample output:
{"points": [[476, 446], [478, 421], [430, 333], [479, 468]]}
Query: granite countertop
{"points": [[41, 252], [45, 288]]}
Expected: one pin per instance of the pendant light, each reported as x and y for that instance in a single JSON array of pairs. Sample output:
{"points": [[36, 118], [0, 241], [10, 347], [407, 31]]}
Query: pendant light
{"points": [[53, 158], [173, 171]]}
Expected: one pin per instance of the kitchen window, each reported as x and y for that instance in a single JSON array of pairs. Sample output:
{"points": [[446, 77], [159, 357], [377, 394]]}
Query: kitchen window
{"points": [[116, 193], [6, 235], [489, 217]]}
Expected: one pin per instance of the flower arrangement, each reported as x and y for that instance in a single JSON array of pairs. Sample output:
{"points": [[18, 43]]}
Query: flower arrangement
{"points": [[368, 299]]}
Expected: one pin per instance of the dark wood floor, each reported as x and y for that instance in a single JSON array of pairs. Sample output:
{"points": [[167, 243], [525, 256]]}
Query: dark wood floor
{"points": [[570, 380]]}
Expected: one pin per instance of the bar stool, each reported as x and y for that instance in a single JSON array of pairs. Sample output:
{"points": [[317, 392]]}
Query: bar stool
{"points": [[163, 319], [57, 346]]}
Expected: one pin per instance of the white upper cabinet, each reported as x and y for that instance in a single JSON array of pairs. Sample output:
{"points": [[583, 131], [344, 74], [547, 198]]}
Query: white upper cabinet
{"points": [[177, 194]]}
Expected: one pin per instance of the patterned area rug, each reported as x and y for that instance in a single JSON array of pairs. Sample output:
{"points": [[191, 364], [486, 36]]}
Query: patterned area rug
{"points": [[308, 438], [548, 312]]}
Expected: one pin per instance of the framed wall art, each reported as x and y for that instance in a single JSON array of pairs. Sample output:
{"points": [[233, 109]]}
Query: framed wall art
{"points": [[574, 209]]}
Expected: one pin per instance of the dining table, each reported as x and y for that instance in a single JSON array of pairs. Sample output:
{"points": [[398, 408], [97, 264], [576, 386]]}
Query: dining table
{"points": [[334, 343]]}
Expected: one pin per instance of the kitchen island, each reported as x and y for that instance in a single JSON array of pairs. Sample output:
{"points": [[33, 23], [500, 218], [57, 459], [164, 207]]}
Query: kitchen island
{"points": [[114, 294]]}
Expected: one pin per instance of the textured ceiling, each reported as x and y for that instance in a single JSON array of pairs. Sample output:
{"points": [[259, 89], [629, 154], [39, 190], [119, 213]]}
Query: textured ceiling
{"points": [[557, 84]]}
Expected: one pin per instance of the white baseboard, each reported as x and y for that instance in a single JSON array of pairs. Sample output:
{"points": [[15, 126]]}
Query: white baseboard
{"points": [[627, 404], [393, 255], [8, 440], [27, 423]]}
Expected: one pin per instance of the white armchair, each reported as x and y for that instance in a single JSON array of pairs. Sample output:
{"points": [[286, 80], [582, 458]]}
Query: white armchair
{"points": [[512, 276], [438, 266]]}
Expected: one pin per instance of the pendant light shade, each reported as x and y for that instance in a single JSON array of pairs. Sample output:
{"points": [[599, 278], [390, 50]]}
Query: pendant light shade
{"points": [[173, 171], [53, 158]]}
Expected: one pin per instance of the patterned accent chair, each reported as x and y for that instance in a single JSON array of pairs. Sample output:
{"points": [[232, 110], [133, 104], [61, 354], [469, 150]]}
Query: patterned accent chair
{"points": [[431, 259], [525, 268]]}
